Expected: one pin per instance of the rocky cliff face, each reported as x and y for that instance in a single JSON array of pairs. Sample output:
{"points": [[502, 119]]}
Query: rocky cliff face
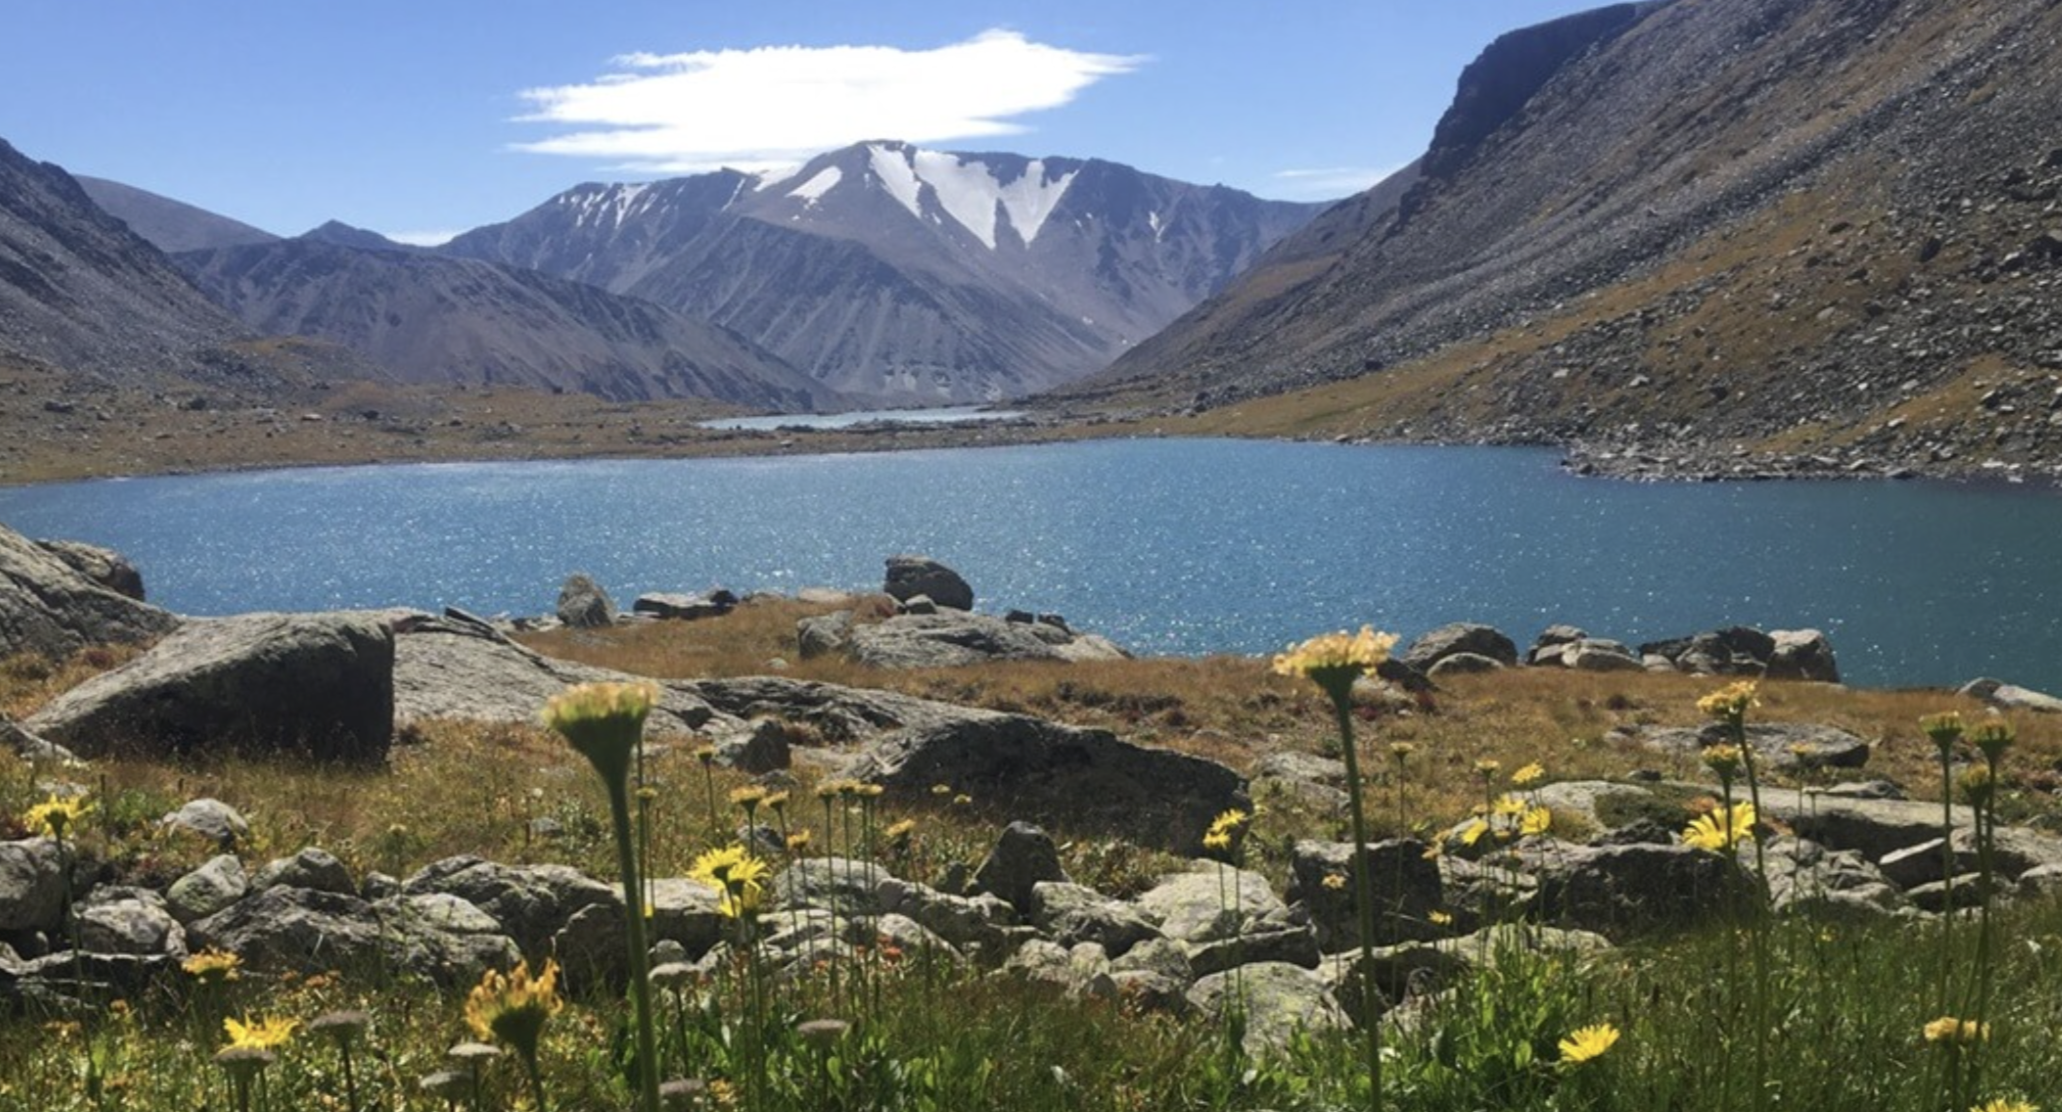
{"points": [[908, 275], [1826, 229]]}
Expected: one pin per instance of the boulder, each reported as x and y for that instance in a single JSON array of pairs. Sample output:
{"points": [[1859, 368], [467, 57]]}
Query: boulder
{"points": [[1802, 654], [2005, 696], [824, 634], [315, 869], [530, 902], [1598, 655], [964, 922], [951, 638], [217, 883], [102, 566], [1735, 650], [306, 931], [315, 684], [909, 576], [1077, 778], [1410, 970], [117, 920], [920, 604], [1808, 878], [47, 607], [1278, 1001], [1071, 913], [1628, 891], [1545, 647], [582, 604], [1463, 664], [27, 746], [31, 885], [1082, 972], [1224, 917], [1874, 827], [837, 884], [1023, 857], [209, 819], [1782, 746], [1407, 889], [1460, 637], [682, 608], [761, 749]]}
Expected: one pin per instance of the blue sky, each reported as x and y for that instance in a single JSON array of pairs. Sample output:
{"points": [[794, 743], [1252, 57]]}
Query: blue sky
{"points": [[433, 116]]}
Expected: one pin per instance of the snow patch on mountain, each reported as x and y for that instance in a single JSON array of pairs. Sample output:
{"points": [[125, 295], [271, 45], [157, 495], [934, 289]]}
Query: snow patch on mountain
{"points": [[823, 182], [897, 177], [1031, 199], [965, 190], [969, 190]]}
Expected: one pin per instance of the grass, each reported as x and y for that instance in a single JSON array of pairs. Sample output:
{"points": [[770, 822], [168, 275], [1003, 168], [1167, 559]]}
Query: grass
{"points": [[1851, 999]]}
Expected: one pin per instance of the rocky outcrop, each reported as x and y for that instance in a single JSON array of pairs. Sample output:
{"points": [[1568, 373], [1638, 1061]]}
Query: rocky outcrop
{"points": [[2006, 696], [1460, 637], [1778, 745], [103, 566], [308, 931], [47, 606], [583, 604], [951, 638], [314, 684], [910, 576], [1803, 654]]}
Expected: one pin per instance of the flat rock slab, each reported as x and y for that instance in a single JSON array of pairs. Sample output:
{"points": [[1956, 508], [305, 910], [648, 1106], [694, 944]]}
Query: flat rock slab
{"points": [[1777, 745], [315, 684], [950, 639]]}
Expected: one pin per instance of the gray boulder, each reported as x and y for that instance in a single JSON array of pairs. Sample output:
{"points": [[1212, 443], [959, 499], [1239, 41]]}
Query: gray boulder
{"points": [[312, 868], [1278, 1001], [1777, 745], [31, 885], [1627, 891], [1598, 655], [103, 566], [1807, 878], [530, 902], [208, 819], [964, 922], [314, 684], [582, 604], [47, 607], [1407, 890], [1070, 913], [1023, 857], [307, 931], [1735, 650], [117, 920], [910, 576], [842, 885], [823, 635], [1548, 646], [760, 749], [1463, 664], [951, 639], [1224, 917], [1076, 778], [1802, 654], [1082, 972], [682, 608], [2005, 696], [1460, 637], [217, 883]]}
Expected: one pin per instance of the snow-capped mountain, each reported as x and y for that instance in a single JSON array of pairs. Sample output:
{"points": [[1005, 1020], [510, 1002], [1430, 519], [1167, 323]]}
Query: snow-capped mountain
{"points": [[908, 275]]}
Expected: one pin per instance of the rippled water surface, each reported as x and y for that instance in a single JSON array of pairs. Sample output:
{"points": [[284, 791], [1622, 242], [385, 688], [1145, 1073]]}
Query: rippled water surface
{"points": [[1179, 546]]}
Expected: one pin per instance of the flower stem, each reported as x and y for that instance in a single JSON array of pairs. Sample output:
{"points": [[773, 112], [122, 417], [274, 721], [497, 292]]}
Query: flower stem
{"points": [[1364, 897], [640, 979]]}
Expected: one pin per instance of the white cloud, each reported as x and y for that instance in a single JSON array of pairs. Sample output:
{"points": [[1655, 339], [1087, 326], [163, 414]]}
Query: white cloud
{"points": [[1331, 181], [432, 238], [771, 106]]}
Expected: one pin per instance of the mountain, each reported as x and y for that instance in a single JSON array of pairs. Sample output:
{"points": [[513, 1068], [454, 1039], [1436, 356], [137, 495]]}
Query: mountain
{"points": [[906, 275], [1828, 227], [171, 226], [81, 292], [340, 234], [436, 320]]}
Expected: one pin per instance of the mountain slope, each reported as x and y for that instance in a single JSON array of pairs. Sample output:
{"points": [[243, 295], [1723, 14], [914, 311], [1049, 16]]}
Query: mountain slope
{"points": [[909, 275], [81, 292], [430, 319], [171, 226], [1785, 222]]}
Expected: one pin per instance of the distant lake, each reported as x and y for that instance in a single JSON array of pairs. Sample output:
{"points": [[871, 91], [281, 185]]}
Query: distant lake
{"points": [[937, 416], [1168, 546]]}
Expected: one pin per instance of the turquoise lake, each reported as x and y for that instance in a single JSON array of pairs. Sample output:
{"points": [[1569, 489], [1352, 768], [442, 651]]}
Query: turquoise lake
{"points": [[1167, 546]]}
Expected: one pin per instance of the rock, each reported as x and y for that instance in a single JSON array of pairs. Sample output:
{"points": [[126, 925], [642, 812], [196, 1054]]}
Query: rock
{"points": [[1082, 779], [1596, 802], [1278, 1000], [1407, 889], [909, 576], [1551, 638], [210, 819], [531, 902], [1154, 975], [28, 746], [1874, 827], [1290, 764], [1624, 892], [2040, 882], [1777, 745], [31, 885], [1924, 863], [951, 639], [2005, 696], [837, 884], [217, 883], [315, 869], [761, 749], [1735, 650], [1463, 664], [841, 714], [964, 922], [315, 684], [444, 668], [129, 921], [680, 608], [1600, 656], [1081, 973], [1865, 789], [582, 604], [824, 634], [825, 596], [1807, 878], [1802, 654], [1227, 918], [1460, 637], [102, 566], [921, 604], [307, 931], [1940, 896], [47, 607], [1023, 857], [1410, 970]]}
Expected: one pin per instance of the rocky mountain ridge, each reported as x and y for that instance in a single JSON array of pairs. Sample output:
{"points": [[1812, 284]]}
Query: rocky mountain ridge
{"points": [[1726, 237]]}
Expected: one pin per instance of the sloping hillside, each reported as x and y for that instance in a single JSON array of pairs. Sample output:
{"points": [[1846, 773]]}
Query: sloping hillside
{"points": [[1822, 228]]}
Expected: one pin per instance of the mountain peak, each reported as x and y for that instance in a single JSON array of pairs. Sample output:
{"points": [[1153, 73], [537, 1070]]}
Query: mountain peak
{"points": [[340, 234]]}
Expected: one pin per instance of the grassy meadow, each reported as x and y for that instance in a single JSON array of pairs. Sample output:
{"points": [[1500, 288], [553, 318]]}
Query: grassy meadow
{"points": [[1751, 1012]]}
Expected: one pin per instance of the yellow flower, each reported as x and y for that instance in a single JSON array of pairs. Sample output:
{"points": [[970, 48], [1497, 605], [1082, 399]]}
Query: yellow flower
{"points": [[705, 754], [962, 800], [1977, 784], [1537, 820], [1530, 774], [798, 841], [1949, 1031], [512, 1009], [54, 816], [1721, 829], [211, 965], [748, 797], [604, 722], [901, 830], [1441, 919], [1473, 832], [1508, 806], [2000, 1104], [1217, 840], [1402, 750], [1587, 1043], [1731, 702], [737, 877], [1224, 829], [1334, 881], [1723, 759], [263, 1034], [777, 801], [1992, 739], [868, 791], [1334, 660], [1945, 729], [1488, 767], [741, 903], [941, 789]]}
